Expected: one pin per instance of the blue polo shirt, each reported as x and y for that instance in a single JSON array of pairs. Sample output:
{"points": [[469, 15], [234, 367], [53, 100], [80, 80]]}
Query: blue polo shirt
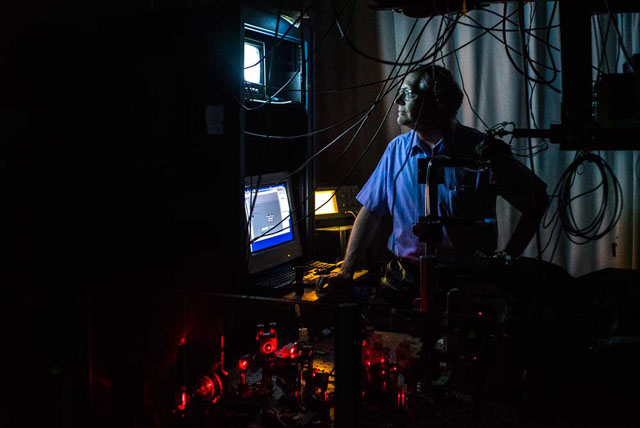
{"points": [[393, 189]]}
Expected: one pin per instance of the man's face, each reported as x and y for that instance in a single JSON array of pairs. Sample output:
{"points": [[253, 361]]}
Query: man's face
{"points": [[409, 101]]}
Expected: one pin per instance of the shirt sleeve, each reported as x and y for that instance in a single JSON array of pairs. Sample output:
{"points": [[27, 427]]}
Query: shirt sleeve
{"points": [[373, 195], [518, 185]]}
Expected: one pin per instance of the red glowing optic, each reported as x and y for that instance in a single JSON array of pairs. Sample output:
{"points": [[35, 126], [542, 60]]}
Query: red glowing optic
{"points": [[479, 314], [206, 389], [292, 351], [267, 348], [383, 372], [183, 401], [215, 400], [368, 363], [364, 342], [183, 340], [381, 360], [243, 364], [475, 358]]}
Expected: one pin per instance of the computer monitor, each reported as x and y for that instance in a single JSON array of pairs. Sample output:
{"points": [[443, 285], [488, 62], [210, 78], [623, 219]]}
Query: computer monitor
{"points": [[326, 202], [254, 68], [272, 232]]}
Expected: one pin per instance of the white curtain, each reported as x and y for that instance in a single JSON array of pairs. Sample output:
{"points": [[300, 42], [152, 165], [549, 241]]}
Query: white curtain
{"points": [[495, 90]]}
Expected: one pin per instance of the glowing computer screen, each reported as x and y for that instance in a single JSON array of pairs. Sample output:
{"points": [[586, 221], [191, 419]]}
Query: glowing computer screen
{"points": [[268, 209], [253, 62], [326, 202]]}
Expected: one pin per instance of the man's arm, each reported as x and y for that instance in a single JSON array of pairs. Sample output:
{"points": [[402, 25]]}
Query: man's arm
{"points": [[527, 226], [526, 192], [364, 228]]}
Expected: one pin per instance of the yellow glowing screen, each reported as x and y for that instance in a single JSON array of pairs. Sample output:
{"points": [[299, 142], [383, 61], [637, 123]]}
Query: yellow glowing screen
{"points": [[328, 198]]}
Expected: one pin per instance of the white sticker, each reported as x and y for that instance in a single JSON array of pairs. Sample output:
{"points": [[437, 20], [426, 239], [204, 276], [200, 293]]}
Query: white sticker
{"points": [[215, 119]]}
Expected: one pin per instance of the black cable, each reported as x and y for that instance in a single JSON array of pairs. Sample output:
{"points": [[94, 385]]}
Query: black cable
{"points": [[529, 31], [597, 228], [272, 96], [412, 51], [369, 145], [302, 14], [349, 19], [380, 60], [318, 131], [604, 55], [526, 57], [489, 11], [337, 90], [466, 94], [524, 54], [348, 88], [365, 151], [294, 75], [407, 155], [555, 219], [526, 92], [440, 41], [293, 137], [254, 197], [620, 40], [507, 46], [532, 88], [357, 162]]}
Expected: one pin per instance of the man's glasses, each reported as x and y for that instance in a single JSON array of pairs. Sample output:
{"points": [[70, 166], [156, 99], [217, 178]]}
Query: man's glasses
{"points": [[407, 95]]}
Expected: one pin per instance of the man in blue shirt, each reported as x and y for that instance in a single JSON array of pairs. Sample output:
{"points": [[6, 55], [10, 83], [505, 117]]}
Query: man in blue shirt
{"points": [[428, 101]]}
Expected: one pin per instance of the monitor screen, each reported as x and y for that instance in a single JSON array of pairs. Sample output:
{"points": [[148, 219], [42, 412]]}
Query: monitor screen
{"points": [[272, 230], [253, 61], [326, 202], [269, 210], [254, 69]]}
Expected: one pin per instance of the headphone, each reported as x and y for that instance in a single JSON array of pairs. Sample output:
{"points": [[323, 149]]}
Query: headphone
{"points": [[443, 87]]}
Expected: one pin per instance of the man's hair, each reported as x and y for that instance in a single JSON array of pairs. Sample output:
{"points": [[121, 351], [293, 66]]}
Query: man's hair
{"points": [[439, 82]]}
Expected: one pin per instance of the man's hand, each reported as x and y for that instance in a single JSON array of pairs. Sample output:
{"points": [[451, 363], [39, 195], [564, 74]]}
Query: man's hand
{"points": [[337, 282]]}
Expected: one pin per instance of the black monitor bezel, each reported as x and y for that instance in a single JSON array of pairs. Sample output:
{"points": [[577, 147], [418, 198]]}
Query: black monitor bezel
{"points": [[287, 251]]}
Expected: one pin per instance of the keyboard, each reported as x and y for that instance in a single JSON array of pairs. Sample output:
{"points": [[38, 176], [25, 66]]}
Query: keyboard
{"points": [[283, 276]]}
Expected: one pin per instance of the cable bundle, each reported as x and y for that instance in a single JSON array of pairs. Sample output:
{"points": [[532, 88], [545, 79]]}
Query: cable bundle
{"points": [[597, 228], [611, 202]]}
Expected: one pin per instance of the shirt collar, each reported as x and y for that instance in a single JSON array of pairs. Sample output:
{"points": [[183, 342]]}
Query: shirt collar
{"points": [[418, 146], [441, 147]]}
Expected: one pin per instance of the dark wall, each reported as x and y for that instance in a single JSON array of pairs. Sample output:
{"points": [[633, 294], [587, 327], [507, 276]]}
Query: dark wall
{"points": [[110, 181], [337, 67]]}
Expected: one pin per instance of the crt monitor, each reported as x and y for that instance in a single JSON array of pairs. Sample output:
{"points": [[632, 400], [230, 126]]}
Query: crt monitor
{"points": [[272, 232], [254, 68]]}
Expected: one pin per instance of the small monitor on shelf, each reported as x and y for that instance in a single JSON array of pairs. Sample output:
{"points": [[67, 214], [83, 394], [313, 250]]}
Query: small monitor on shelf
{"points": [[326, 202], [254, 69], [272, 231]]}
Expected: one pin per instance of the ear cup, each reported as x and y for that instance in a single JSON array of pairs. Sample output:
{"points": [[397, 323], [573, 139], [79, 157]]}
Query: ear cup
{"points": [[446, 96]]}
